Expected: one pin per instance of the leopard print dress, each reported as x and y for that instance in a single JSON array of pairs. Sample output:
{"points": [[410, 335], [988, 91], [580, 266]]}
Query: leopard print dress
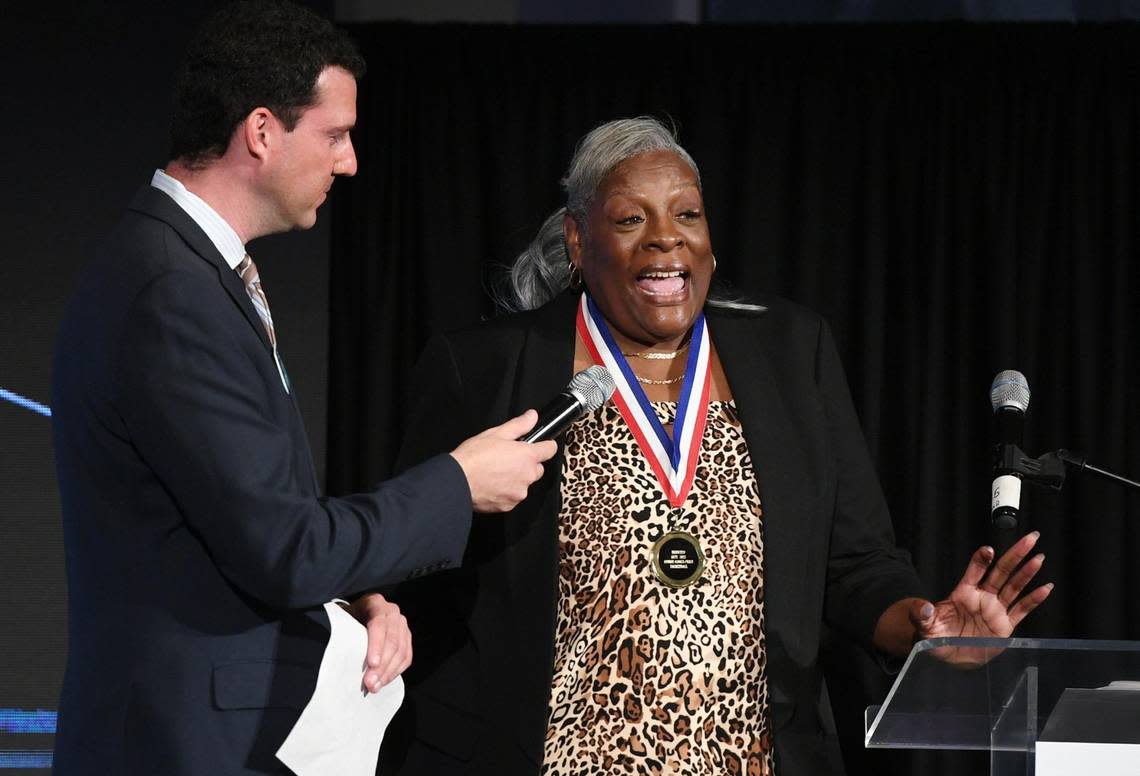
{"points": [[649, 679]]}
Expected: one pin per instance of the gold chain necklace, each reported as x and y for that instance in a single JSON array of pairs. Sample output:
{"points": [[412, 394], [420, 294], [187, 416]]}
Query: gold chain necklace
{"points": [[653, 355], [651, 381]]}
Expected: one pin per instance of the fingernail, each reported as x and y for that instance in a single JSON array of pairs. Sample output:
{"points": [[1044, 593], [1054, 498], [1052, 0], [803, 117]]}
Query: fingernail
{"points": [[1040, 557], [1036, 534], [927, 611]]}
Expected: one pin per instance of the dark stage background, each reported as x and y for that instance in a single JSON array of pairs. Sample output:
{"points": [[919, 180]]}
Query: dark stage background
{"points": [[956, 199]]}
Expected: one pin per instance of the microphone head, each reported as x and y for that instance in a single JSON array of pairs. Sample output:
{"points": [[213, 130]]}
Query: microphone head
{"points": [[1009, 389], [592, 387]]}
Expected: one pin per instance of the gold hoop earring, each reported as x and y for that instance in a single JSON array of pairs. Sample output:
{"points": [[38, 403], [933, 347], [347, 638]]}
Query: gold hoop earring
{"points": [[575, 279]]}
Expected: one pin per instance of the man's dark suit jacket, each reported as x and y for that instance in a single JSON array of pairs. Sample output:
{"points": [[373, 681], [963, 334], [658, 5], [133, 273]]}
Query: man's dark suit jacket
{"points": [[199, 548], [480, 684]]}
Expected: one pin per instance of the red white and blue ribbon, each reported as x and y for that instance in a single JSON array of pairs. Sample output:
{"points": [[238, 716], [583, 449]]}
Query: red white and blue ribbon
{"points": [[673, 460]]}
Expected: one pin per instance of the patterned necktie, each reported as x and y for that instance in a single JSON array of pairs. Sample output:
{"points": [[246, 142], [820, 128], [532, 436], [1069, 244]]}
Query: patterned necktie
{"points": [[248, 271]]}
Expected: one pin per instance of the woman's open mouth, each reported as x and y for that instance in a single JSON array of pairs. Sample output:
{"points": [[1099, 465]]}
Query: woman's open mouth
{"points": [[662, 283]]}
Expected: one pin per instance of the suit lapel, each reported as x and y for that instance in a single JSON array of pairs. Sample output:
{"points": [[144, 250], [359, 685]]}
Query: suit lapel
{"points": [[152, 202], [156, 204], [778, 459], [546, 364]]}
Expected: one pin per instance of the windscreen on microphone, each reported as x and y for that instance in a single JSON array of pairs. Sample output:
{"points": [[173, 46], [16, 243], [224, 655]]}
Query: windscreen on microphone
{"points": [[592, 387], [1009, 389], [588, 390], [1009, 396]]}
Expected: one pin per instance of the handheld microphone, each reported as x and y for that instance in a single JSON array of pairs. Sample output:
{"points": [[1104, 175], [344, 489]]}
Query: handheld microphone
{"points": [[588, 390], [1009, 396]]}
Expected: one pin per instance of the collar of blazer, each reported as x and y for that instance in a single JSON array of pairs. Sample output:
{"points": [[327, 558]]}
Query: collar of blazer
{"points": [[151, 202], [775, 444]]}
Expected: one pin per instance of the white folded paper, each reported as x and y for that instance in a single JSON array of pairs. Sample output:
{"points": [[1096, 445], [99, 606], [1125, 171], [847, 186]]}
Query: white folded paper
{"points": [[340, 730]]}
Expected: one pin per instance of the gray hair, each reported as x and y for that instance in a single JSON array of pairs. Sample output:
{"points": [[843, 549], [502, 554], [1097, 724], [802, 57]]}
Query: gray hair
{"points": [[607, 146], [542, 271]]}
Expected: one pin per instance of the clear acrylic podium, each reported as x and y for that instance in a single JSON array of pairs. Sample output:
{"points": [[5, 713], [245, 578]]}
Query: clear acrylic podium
{"points": [[1040, 706]]}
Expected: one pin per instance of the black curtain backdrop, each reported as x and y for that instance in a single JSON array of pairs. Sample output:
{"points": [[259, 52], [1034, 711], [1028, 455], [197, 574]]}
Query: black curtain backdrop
{"points": [[956, 199]]}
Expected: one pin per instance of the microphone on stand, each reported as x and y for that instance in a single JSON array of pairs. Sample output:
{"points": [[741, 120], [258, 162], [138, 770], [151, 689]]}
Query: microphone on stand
{"points": [[1009, 396], [588, 390]]}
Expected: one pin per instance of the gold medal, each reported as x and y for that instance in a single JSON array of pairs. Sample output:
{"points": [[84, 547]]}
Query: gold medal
{"points": [[678, 559]]}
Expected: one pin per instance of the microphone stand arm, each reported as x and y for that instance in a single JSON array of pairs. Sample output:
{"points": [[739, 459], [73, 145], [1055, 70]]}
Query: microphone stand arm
{"points": [[1079, 463], [1048, 471]]}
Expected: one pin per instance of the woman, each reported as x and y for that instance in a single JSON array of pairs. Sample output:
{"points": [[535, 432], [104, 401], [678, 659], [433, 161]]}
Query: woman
{"points": [[655, 604]]}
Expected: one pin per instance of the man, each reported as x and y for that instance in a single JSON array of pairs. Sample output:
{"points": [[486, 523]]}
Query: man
{"points": [[199, 549]]}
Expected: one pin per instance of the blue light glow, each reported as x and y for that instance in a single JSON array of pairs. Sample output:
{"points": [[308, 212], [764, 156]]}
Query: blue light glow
{"points": [[28, 759], [24, 721], [24, 402]]}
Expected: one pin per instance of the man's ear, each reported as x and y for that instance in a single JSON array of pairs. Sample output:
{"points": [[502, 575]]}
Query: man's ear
{"points": [[257, 132], [572, 234]]}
